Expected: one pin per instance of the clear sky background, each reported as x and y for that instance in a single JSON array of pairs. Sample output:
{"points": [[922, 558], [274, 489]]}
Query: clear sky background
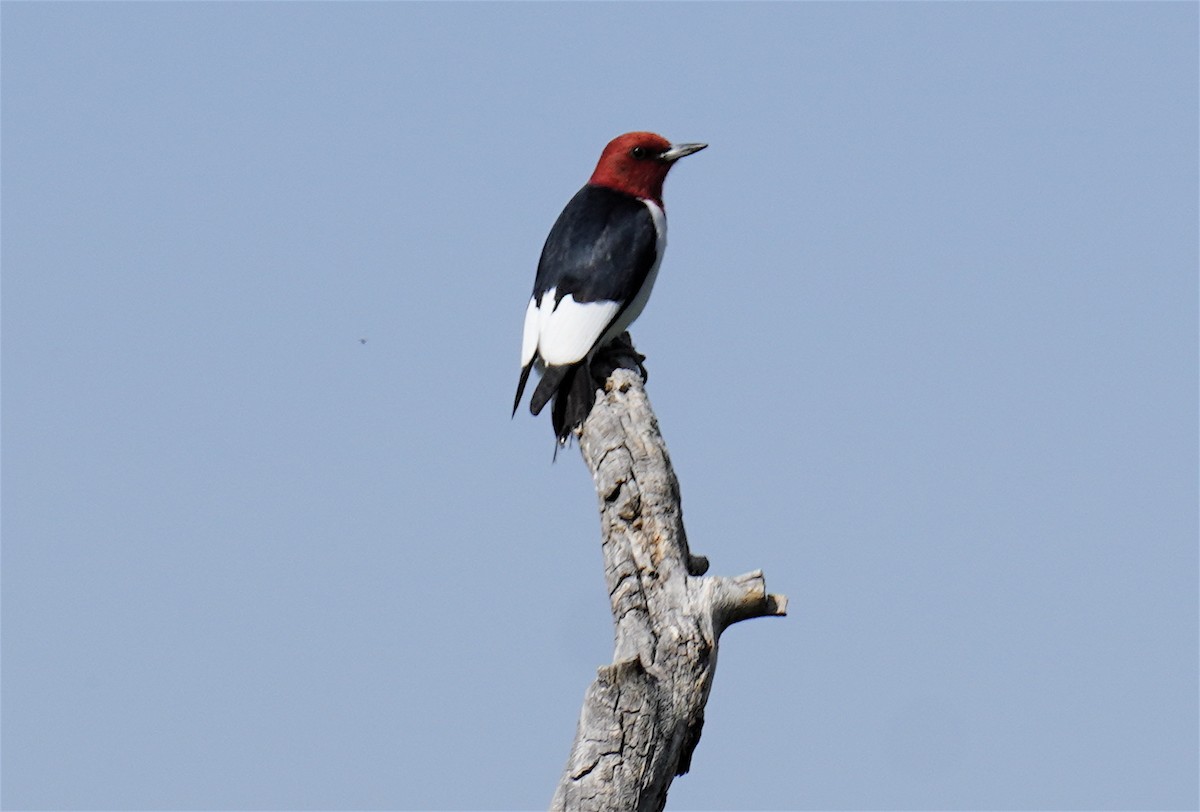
{"points": [[924, 348]]}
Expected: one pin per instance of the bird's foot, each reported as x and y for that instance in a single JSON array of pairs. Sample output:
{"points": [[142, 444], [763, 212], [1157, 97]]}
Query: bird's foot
{"points": [[618, 354]]}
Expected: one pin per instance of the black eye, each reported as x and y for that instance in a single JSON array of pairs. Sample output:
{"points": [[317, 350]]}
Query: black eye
{"points": [[639, 152]]}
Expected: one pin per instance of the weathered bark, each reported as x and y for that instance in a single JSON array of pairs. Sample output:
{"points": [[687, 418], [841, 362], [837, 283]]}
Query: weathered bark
{"points": [[641, 718]]}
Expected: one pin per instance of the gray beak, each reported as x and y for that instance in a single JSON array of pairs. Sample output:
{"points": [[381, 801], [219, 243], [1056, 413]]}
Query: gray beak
{"points": [[677, 151]]}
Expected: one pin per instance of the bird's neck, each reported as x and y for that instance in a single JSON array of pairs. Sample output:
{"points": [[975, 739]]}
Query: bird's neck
{"points": [[635, 182]]}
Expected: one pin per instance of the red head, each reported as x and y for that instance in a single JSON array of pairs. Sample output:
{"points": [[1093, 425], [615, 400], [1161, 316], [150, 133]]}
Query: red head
{"points": [[637, 164]]}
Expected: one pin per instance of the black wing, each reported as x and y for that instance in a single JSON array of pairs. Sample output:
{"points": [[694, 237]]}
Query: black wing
{"points": [[601, 248]]}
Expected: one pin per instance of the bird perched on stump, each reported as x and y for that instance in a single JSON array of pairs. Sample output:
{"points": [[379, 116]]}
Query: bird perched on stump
{"points": [[597, 268]]}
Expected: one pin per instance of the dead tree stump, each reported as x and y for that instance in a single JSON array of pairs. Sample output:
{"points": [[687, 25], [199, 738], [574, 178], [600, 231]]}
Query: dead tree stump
{"points": [[642, 717]]}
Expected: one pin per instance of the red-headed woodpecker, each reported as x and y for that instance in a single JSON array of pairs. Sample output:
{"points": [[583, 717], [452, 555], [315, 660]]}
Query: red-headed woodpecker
{"points": [[596, 272]]}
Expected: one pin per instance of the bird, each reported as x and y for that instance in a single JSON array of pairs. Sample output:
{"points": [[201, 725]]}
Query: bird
{"points": [[596, 271]]}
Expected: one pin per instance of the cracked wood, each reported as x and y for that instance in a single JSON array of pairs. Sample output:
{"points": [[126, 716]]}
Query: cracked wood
{"points": [[642, 717]]}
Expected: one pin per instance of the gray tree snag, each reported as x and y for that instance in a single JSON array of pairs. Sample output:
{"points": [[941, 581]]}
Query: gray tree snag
{"points": [[641, 718]]}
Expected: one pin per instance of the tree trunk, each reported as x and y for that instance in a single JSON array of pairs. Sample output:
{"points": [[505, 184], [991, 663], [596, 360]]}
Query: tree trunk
{"points": [[641, 718]]}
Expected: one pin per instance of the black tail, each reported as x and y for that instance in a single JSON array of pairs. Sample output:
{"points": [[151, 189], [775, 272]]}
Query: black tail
{"points": [[521, 386], [566, 404], [573, 392], [580, 397], [551, 382]]}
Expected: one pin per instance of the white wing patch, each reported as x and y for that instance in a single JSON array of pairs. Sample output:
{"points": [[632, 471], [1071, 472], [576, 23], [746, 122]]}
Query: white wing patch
{"points": [[529, 340], [569, 331]]}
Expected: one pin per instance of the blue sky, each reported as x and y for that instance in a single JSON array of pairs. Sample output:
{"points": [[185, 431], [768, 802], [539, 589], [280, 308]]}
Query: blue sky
{"points": [[923, 347]]}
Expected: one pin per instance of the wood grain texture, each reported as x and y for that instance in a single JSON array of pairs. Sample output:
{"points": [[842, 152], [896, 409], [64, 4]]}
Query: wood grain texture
{"points": [[642, 717]]}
